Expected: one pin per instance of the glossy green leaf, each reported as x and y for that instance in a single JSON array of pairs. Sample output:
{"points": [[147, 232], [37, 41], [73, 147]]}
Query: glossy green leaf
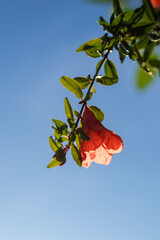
{"points": [[107, 81], [137, 15], [59, 123], [62, 139], [57, 134], [127, 50], [76, 155], [61, 128], [111, 71], [148, 51], [106, 26], [71, 123], [72, 85], [82, 133], [142, 43], [94, 52], [111, 42], [90, 44], [93, 89], [54, 163], [76, 113], [97, 112], [88, 97], [99, 64], [142, 29], [121, 55], [54, 145], [78, 141], [58, 159], [68, 109], [143, 79], [117, 7], [117, 22], [83, 82], [155, 63], [149, 11], [72, 138]]}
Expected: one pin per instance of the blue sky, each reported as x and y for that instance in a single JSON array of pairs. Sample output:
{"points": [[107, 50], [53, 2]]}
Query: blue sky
{"points": [[121, 201]]}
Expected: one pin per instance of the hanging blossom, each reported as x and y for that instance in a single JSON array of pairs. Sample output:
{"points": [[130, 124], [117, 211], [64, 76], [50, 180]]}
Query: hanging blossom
{"points": [[155, 3], [103, 143]]}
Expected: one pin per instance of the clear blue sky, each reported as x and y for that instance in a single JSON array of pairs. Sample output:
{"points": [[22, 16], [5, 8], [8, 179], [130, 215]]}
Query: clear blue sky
{"points": [[117, 202]]}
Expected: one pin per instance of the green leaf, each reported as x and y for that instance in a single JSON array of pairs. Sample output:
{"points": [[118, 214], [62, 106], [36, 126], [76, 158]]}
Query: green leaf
{"points": [[105, 25], [62, 139], [142, 29], [83, 82], [92, 48], [137, 15], [121, 54], [127, 50], [155, 63], [99, 64], [76, 155], [111, 71], [107, 81], [68, 109], [71, 123], [110, 43], [88, 97], [58, 158], [72, 85], [148, 51], [54, 163], [54, 145], [117, 7], [61, 128], [93, 89], [94, 52], [57, 134], [72, 138], [97, 112], [82, 133], [117, 22], [143, 79], [59, 123], [90, 44], [76, 113], [78, 141], [149, 10], [142, 43]]}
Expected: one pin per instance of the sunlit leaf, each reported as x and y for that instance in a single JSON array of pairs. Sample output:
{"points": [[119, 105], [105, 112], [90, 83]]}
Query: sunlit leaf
{"points": [[72, 85], [68, 109], [54, 145], [143, 79], [117, 7], [110, 70], [76, 155], [97, 112], [83, 82], [82, 133], [90, 44], [107, 81], [137, 15]]}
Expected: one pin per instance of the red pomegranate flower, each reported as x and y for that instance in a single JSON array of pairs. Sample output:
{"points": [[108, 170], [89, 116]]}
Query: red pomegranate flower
{"points": [[103, 143], [155, 3]]}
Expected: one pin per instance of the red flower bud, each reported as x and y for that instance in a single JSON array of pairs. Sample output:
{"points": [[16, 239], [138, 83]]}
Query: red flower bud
{"points": [[155, 3], [103, 143]]}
